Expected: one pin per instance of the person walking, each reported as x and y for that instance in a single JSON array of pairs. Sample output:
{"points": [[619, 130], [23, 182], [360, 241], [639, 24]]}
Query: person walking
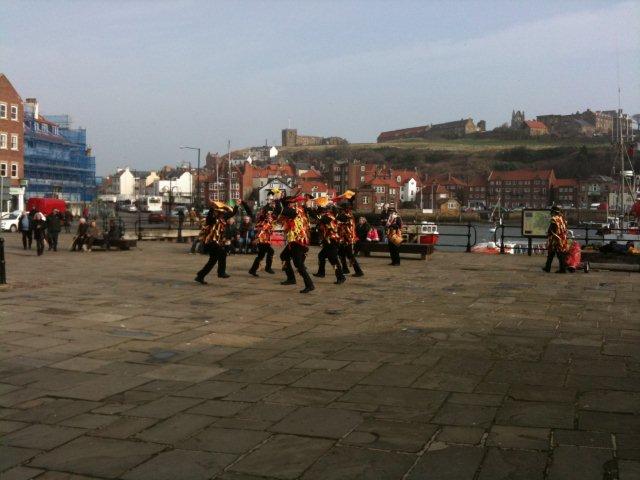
{"points": [[53, 229], [39, 231], [557, 245], [292, 215], [347, 233], [265, 222], [213, 239], [325, 216], [25, 226], [393, 230]]}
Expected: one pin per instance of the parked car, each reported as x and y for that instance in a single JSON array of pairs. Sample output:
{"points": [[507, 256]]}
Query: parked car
{"points": [[157, 217], [9, 222], [129, 208]]}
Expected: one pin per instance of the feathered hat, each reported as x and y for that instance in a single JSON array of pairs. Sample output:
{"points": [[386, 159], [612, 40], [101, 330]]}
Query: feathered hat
{"points": [[220, 206], [345, 200]]}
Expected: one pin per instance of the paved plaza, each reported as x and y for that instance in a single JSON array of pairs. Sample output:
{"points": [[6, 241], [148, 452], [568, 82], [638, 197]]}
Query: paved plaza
{"points": [[118, 365]]}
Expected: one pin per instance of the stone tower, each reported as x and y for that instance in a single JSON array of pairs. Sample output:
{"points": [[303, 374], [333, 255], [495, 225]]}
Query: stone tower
{"points": [[289, 137], [517, 119]]}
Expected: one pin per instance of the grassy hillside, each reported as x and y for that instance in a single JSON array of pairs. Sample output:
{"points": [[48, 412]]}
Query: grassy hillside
{"points": [[472, 156]]}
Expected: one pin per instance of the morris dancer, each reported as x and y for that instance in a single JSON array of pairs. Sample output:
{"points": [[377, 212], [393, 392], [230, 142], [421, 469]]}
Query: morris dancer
{"points": [[212, 237], [393, 230], [557, 244], [265, 220], [291, 214], [325, 217], [347, 233]]}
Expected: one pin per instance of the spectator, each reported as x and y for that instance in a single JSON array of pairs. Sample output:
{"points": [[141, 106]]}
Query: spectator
{"points": [[112, 235], [193, 217], [39, 231], [247, 234], [81, 235], [362, 232], [93, 233], [232, 236], [53, 229], [25, 226], [68, 218]]}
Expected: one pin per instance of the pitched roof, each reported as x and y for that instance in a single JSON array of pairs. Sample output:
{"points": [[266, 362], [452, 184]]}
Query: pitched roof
{"points": [[535, 124], [566, 182], [520, 175], [403, 132], [310, 174], [311, 185]]}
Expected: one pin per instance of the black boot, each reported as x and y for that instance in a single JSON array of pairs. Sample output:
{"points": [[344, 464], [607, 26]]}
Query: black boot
{"points": [[357, 269], [254, 268], [291, 278], [267, 267], [340, 278], [308, 283], [201, 280], [320, 273]]}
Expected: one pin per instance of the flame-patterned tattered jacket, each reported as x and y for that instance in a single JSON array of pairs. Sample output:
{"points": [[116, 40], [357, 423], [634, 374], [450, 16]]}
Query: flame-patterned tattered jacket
{"points": [[347, 228], [557, 234], [264, 225], [327, 226], [295, 221], [212, 231]]}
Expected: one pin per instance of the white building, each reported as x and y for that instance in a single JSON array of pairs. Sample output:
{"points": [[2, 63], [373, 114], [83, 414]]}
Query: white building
{"points": [[123, 184], [278, 183], [178, 183], [408, 189]]}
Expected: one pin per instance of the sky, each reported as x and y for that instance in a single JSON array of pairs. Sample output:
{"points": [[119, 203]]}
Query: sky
{"points": [[144, 77]]}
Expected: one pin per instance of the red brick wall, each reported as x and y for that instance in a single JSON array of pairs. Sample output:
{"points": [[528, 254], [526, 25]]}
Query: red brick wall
{"points": [[9, 96]]}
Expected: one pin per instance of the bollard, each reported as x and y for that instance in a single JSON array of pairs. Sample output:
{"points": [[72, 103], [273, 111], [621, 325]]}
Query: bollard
{"points": [[179, 231], [3, 272], [529, 243], [468, 236], [502, 240], [586, 236]]}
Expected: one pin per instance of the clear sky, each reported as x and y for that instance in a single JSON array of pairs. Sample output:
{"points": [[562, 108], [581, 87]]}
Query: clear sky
{"points": [[146, 77]]}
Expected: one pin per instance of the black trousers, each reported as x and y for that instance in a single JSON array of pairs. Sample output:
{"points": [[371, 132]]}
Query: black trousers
{"points": [[296, 254], [329, 251], [264, 250], [561, 259], [40, 244], [27, 239], [216, 254], [361, 246], [394, 253], [53, 241], [346, 253]]}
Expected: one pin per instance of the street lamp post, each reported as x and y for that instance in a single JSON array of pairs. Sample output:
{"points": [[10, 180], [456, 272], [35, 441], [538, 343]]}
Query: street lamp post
{"points": [[197, 202]]}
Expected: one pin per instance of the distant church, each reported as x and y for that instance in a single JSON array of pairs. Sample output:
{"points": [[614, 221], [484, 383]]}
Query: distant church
{"points": [[517, 120]]}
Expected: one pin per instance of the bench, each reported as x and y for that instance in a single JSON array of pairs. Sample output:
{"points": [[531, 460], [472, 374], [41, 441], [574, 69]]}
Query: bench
{"points": [[121, 244], [417, 248]]}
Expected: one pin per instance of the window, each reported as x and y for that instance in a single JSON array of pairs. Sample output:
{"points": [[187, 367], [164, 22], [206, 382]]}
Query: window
{"points": [[362, 179], [398, 178], [392, 191], [14, 142], [3, 169], [14, 113], [14, 170], [362, 168], [378, 189], [3, 110], [365, 200], [235, 185], [451, 205], [3, 140], [235, 195], [234, 174]]}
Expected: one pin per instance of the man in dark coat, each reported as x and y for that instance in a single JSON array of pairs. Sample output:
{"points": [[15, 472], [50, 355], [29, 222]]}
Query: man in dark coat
{"points": [[53, 229], [25, 225]]}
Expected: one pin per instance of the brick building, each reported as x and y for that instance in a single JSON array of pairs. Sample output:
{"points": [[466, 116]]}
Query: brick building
{"points": [[521, 188], [535, 128], [378, 192], [477, 188], [11, 146], [455, 129], [566, 192]]}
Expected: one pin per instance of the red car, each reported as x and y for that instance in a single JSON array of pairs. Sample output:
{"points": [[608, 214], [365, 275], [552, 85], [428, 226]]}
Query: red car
{"points": [[157, 217]]}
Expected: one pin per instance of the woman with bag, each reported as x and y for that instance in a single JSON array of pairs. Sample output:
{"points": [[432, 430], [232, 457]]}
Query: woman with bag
{"points": [[393, 229], [365, 234]]}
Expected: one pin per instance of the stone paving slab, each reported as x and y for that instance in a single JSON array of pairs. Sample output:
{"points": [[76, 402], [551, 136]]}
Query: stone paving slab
{"points": [[117, 365]]}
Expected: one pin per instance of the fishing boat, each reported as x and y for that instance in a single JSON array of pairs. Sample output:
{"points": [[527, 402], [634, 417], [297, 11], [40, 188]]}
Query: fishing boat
{"points": [[624, 224], [425, 233]]}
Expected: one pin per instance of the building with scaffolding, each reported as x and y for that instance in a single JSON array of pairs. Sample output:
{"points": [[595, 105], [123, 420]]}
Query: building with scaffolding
{"points": [[57, 161]]}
